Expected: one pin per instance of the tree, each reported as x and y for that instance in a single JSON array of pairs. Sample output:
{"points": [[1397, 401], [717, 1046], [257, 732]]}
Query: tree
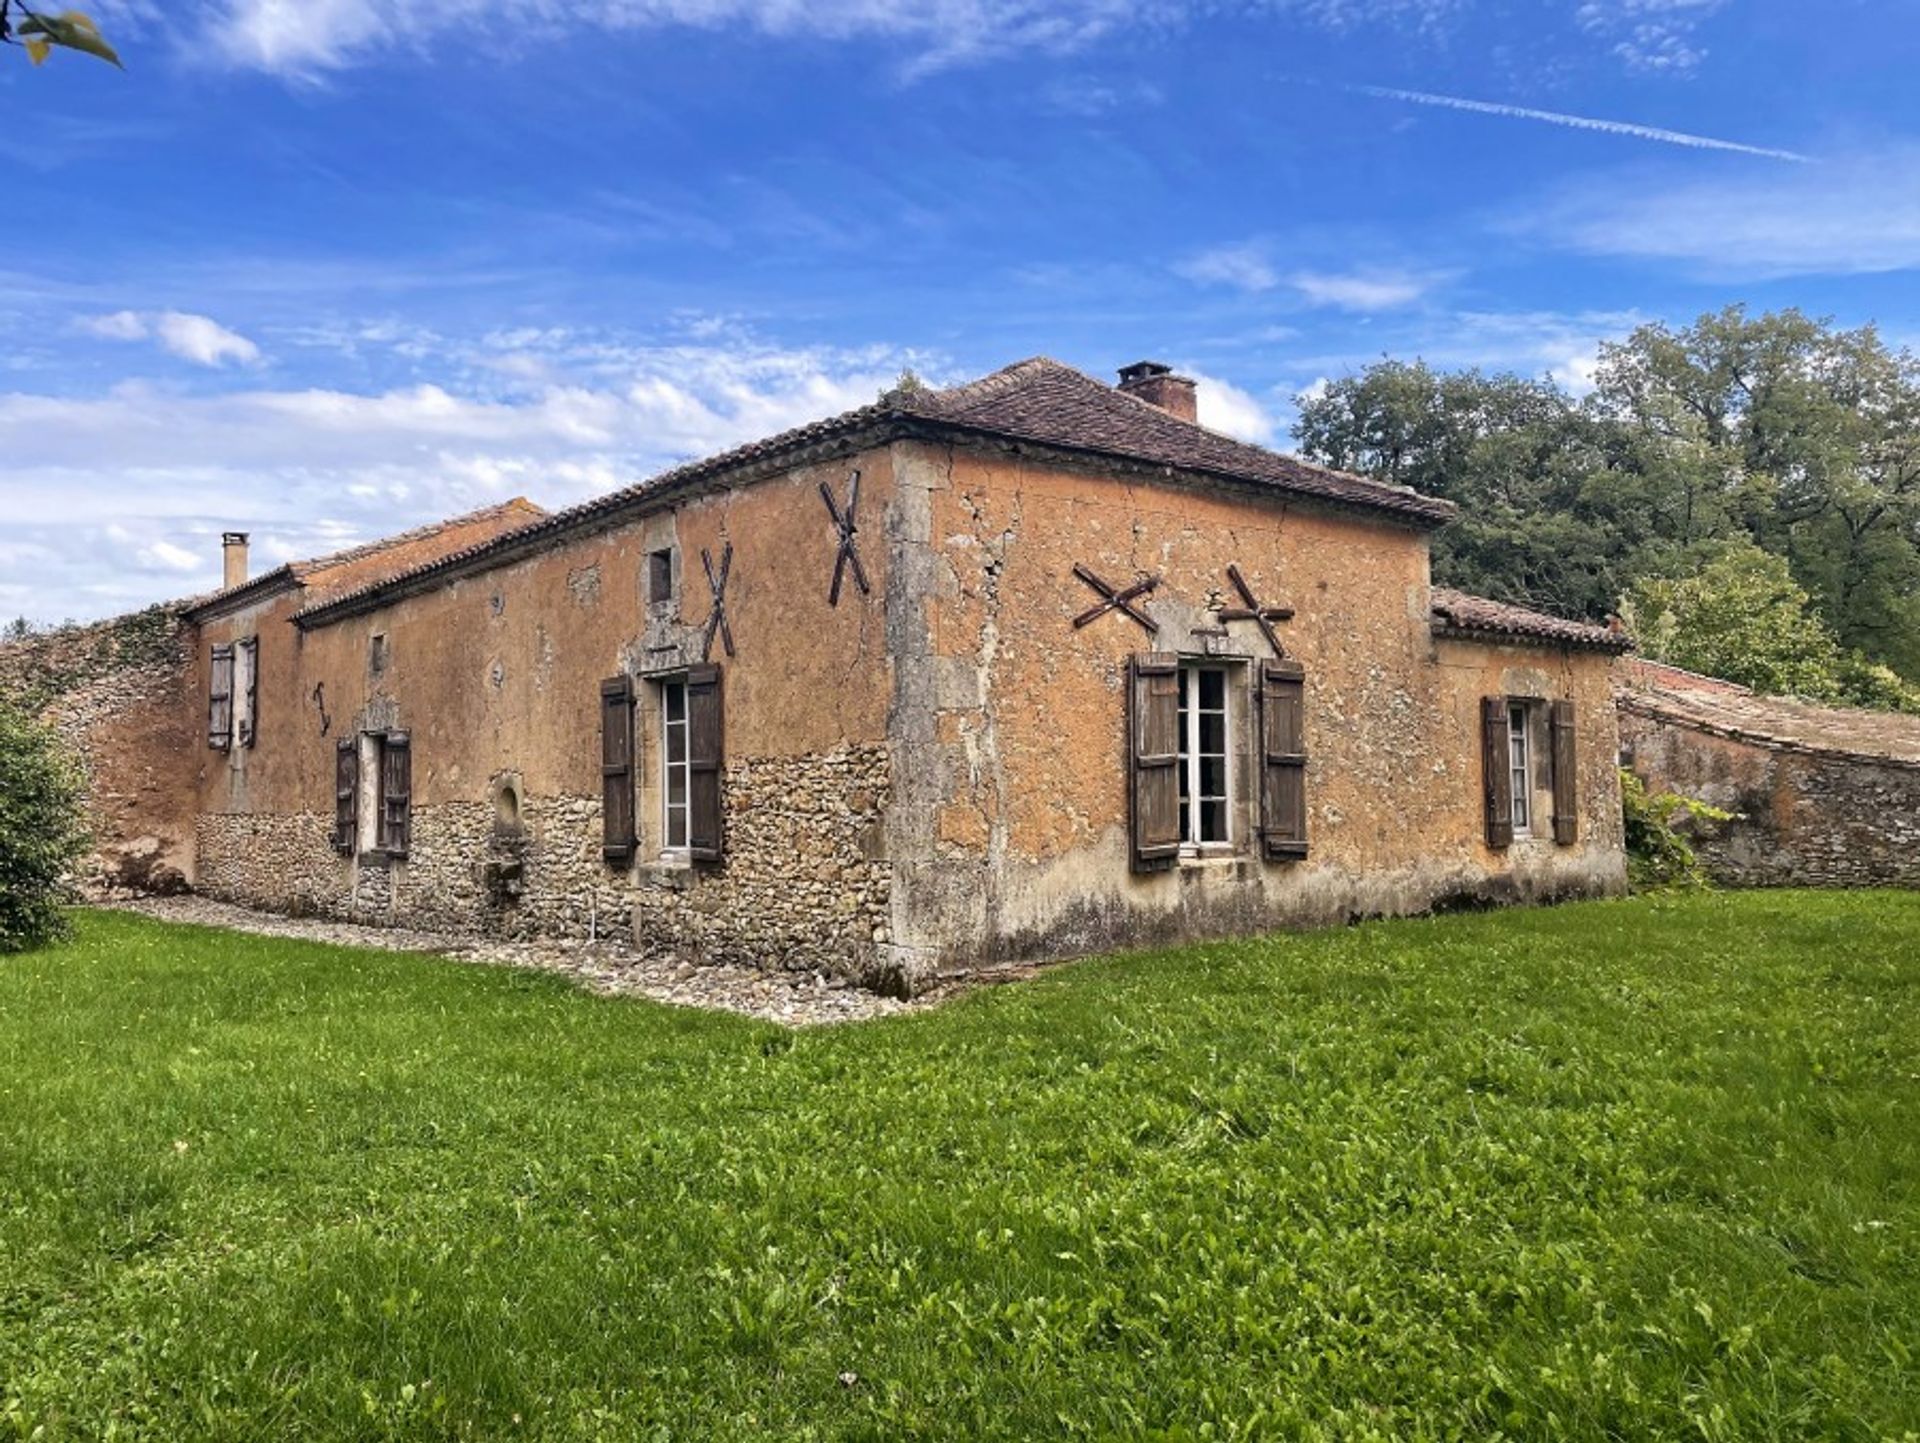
{"points": [[38, 34], [1740, 616], [1776, 430], [42, 833]]}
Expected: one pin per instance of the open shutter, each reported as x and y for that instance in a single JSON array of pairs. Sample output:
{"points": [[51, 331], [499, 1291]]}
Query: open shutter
{"points": [[1566, 787], [220, 700], [1153, 753], [1496, 766], [247, 723], [1283, 760], [616, 769], [396, 794], [346, 794], [705, 821]]}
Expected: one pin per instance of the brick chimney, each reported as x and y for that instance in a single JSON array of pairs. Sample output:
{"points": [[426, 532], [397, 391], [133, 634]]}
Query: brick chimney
{"points": [[1156, 384], [233, 556]]}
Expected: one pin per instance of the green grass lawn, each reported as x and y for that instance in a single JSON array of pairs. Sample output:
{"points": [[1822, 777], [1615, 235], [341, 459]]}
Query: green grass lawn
{"points": [[1643, 1169]]}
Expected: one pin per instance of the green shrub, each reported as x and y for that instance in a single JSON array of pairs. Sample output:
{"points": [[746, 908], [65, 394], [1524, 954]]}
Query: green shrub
{"points": [[1659, 856], [42, 833]]}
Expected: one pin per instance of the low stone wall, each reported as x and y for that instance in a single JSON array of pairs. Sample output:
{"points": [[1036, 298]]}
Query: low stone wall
{"points": [[117, 692], [1802, 817], [803, 886]]}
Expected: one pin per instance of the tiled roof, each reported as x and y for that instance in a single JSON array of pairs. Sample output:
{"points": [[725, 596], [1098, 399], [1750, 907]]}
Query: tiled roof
{"points": [[1037, 401], [1455, 613], [361, 563], [1043, 401], [1723, 708]]}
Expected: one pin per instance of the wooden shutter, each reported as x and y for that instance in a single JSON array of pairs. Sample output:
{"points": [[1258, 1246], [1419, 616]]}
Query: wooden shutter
{"points": [[1153, 756], [706, 829], [220, 700], [1283, 760], [248, 721], [1566, 777], [1496, 765], [396, 794], [346, 794], [616, 769]]}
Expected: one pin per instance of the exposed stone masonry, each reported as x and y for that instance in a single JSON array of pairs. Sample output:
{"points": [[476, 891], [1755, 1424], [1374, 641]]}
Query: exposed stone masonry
{"points": [[805, 884], [803, 887]]}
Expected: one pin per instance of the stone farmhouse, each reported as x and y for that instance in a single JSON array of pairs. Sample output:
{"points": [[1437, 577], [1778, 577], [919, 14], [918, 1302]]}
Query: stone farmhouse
{"points": [[1027, 667]]}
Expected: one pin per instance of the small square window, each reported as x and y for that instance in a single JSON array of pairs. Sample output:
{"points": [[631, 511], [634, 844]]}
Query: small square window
{"points": [[660, 575]]}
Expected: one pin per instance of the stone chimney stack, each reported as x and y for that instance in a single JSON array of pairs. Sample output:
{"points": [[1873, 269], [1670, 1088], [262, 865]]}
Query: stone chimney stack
{"points": [[1158, 386], [233, 555]]}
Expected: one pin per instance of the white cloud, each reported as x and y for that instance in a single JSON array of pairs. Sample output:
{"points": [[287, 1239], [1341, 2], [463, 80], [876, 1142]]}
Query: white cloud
{"points": [[116, 500], [1224, 407], [1244, 267], [1362, 290], [1856, 217], [199, 339], [308, 38], [1650, 36]]}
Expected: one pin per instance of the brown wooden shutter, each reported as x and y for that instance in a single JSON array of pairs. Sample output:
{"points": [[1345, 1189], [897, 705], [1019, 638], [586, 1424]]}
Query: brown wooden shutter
{"points": [[706, 824], [249, 719], [346, 794], [396, 794], [1283, 760], [616, 769], [220, 700], [1496, 765], [1566, 777], [1153, 754]]}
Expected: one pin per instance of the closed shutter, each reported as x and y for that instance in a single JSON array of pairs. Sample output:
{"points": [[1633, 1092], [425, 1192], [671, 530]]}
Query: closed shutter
{"points": [[1153, 755], [1496, 766], [220, 700], [706, 830], [346, 794], [1566, 777], [616, 769], [396, 794], [1283, 760], [249, 719]]}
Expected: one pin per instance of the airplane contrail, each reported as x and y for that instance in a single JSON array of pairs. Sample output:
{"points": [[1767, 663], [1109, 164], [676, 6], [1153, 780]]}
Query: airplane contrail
{"points": [[1577, 122]]}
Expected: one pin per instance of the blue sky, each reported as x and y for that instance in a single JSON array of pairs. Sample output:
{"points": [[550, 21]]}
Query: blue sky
{"points": [[324, 269]]}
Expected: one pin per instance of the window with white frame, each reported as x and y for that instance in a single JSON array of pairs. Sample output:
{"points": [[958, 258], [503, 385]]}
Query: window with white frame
{"points": [[1205, 759], [675, 772], [1520, 764]]}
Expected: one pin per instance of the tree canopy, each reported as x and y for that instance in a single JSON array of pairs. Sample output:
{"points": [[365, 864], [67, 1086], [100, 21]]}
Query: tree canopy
{"points": [[1773, 433]]}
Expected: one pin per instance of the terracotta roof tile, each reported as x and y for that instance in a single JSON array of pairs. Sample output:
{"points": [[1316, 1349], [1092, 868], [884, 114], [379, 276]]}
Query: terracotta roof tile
{"points": [[1724, 708], [1455, 613]]}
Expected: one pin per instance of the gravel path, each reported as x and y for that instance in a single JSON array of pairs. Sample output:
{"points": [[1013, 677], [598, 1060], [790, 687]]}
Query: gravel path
{"points": [[793, 999]]}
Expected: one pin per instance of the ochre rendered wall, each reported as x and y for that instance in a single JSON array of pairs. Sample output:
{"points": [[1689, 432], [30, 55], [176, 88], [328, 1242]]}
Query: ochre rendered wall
{"points": [[1009, 831], [497, 679]]}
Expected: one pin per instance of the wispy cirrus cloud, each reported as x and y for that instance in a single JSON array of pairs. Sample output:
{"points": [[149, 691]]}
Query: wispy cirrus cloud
{"points": [[199, 339], [1650, 36], [1250, 266], [1630, 130], [1858, 216]]}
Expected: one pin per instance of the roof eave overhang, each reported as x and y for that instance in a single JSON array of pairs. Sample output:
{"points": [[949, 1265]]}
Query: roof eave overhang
{"points": [[248, 593], [1490, 636]]}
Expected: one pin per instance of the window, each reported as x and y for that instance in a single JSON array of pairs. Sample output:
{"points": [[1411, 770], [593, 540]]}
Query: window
{"points": [[1519, 766], [246, 688], [377, 653], [373, 794], [1204, 762], [660, 575], [676, 779]]}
